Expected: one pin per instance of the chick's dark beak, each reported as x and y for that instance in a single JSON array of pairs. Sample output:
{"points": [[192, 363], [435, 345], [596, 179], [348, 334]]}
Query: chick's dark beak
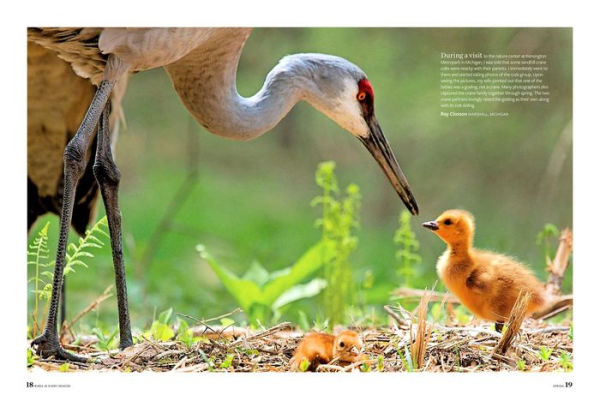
{"points": [[379, 147], [432, 225]]}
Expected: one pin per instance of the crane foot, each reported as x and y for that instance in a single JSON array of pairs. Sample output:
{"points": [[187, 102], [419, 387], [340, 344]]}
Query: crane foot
{"points": [[46, 347]]}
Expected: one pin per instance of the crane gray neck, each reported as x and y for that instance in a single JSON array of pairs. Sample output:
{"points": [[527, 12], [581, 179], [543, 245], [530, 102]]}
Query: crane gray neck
{"points": [[206, 82]]}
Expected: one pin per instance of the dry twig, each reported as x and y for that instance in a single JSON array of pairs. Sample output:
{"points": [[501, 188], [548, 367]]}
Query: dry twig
{"points": [[517, 314], [417, 349], [560, 263], [95, 303]]}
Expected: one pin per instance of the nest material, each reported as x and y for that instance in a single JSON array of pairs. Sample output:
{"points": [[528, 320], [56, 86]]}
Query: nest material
{"points": [[449, 349]]}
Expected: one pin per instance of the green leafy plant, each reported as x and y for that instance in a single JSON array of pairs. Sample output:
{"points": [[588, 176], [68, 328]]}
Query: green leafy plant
{"points": [[76, 253], [406, 359], [43, 275], [408, 248], [184, 334], [304, 365], [521, 365], [160, 329], [565, 361], [380, 366], [571, 331], [544, 239], [31, 357], [210, 362], [106, 342], [544, 353], [37, 255], [227, 361], [261, 293], [321, 323], [338, 223]]}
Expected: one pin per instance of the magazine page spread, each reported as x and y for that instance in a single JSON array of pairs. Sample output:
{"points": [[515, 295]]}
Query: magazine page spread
{"points": [[303, 200]]}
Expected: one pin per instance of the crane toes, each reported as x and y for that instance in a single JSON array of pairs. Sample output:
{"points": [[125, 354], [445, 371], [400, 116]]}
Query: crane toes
{"points": [[48, 347]]}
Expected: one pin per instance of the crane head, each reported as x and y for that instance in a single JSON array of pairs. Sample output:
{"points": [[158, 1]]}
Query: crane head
{"points": [[341, 90]]}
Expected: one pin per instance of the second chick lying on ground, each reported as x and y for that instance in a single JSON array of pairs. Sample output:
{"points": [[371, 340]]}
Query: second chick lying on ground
{"points": [[487, 283], [322, 348]]}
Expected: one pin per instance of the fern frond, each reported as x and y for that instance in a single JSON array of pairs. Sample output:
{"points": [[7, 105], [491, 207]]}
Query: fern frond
{"points": [[76, 253], [37, 257]]}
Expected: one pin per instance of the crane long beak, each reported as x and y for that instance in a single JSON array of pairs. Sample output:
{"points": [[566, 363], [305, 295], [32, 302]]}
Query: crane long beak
{"points": [[379, 147]]}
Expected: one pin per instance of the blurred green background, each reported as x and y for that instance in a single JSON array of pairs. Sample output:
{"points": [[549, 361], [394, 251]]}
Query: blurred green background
{"points": [[251, 199]]}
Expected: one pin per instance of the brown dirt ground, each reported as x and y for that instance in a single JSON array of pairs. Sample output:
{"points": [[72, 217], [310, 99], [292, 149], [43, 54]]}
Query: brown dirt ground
{"points": [[467, 348]]}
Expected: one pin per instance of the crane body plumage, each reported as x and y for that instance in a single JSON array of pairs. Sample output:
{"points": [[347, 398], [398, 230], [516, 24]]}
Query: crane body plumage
{"points": [[202, 64], [57, 100]]}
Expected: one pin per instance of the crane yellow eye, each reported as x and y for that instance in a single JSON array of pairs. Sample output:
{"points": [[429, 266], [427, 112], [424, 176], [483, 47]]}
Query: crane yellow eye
{"points": [[361, 96]]}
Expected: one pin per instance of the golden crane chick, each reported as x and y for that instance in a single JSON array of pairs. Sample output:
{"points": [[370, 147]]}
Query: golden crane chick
{"points": [[487, 283], [322, 348]]}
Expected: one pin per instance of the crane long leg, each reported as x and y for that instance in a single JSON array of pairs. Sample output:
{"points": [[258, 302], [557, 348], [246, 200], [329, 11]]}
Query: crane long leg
{"points": [[63, 302], [74, 159], [108, 177]]}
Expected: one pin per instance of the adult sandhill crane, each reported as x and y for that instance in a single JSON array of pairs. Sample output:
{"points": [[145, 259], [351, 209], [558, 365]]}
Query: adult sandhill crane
{"points": [[202, 65], [57, 100]]}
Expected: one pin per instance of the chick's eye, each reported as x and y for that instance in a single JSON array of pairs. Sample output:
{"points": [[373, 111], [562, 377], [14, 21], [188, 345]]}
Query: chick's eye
{"points": [[342, 345], [447, 222], [361, 96]]}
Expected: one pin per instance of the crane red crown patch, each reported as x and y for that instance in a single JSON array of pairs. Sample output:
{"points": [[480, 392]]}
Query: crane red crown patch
{"points": [[365, 86]]}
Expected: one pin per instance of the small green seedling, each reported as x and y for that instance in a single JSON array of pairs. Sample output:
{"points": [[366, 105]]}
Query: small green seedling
{"points": [[160, 329], [209, 361], [185, 334], [31, 357], [406, 359], [249, 352], [545, 353], [521, 365], [380, 366], [571, 331], [365, 367], [105, 343], [227, 361], [304, 365], [64, 367], [566, 362]]}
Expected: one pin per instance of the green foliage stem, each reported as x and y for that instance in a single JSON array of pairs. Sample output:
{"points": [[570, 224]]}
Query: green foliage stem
{"points": [[338, 222], [408, 247]]}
